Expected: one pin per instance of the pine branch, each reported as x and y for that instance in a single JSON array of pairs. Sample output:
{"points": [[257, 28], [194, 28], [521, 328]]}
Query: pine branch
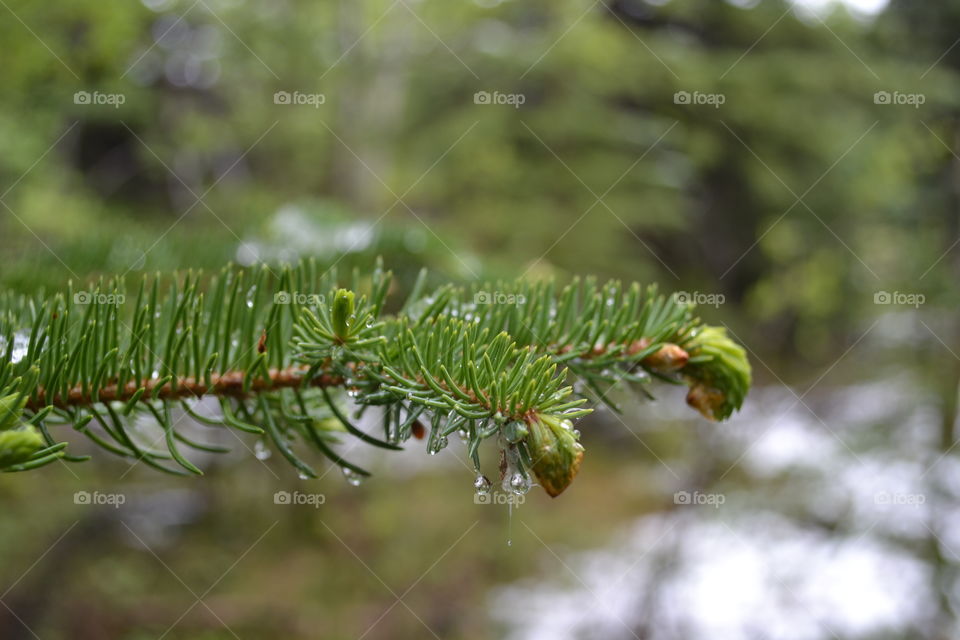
{"points": [[230, 383], [285, 353]]}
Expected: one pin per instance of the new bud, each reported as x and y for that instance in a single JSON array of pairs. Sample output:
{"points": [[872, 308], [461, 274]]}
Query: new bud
{"points": [[11, 408], [707, 400], [342, 313], [17, 446], [667, 359]]}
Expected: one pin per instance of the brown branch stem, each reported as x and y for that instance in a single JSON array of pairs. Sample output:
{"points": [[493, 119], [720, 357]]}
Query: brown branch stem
{"points": [[229, 383]]}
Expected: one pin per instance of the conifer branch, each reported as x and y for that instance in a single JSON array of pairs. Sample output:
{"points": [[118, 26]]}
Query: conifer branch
{"points": [[285, 354]]}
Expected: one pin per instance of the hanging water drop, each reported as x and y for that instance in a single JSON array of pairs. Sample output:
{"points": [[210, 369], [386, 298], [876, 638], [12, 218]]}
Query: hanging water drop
{"points": [[260, 450], [482, 485], [303, 476], [437, 445], [353, 478], [520, 483]]}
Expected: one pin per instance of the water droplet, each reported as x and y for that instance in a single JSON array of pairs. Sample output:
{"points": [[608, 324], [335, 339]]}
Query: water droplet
{"points": [[353, 392], [260, 450], [369, 322], [482, 485], [353, 478], [520, 483], [464, 435], [437, 445], [303, 476]]}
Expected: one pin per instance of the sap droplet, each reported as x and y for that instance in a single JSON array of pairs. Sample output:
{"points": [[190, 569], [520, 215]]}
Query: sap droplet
{"points": [[353, 478], [260, 450]]}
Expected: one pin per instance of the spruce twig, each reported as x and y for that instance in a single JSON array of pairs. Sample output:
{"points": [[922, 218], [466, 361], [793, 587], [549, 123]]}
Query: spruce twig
{"points": [[282, 353]]}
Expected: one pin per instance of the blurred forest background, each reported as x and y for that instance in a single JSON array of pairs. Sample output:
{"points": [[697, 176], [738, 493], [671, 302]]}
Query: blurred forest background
{"points": [[793, 163]]}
